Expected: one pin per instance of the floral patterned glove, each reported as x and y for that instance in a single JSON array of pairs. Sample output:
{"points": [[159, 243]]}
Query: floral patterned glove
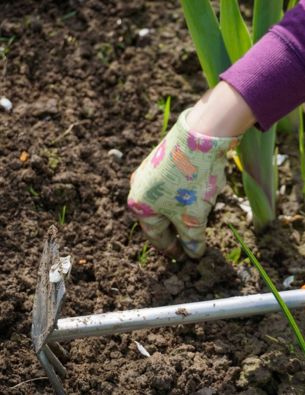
{"points": [[175, 187]]}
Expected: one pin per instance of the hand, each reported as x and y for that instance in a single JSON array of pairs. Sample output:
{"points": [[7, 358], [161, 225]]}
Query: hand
{"points": [[175, 187]]}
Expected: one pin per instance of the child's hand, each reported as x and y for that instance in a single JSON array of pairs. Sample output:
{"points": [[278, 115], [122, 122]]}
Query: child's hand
{"points": [[175, 187]]}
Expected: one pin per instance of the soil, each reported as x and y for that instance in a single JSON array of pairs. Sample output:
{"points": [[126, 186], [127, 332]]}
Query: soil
{"points": [[83, 81]]}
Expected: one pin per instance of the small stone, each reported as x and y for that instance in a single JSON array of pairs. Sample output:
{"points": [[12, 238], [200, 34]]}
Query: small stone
{"points": [[6, 104], [287, 283], [143, 32], [115, 153], [219, 206], [44, 107]]}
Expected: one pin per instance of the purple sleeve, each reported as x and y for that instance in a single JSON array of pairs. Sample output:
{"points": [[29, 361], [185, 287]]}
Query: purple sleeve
{"points": [[271, 75]]}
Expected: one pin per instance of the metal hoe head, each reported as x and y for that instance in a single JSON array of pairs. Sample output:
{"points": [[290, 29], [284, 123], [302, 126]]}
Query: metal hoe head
{"points": [[48, 328], [48, 300]]}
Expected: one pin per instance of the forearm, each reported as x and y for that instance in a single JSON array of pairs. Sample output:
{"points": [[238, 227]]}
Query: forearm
{"points": [[221, 112]]}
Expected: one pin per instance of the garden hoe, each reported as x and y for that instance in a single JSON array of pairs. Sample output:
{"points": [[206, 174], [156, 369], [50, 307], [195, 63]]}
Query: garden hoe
{"points": [[48, 329]]}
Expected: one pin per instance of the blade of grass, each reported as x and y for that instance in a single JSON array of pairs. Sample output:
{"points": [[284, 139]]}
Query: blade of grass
{"points": [[69, 15], [272, 288], [62, 215], [166, 115]]}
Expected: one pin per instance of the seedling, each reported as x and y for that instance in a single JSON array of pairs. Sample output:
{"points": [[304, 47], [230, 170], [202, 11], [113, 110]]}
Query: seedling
{"points": [[32, 191], [132, 231], [234, 255], [5, 44], [69, 15], [143, 255], [165, 106], [52, 156], [105, 53], [62, 215], [272, 288]]}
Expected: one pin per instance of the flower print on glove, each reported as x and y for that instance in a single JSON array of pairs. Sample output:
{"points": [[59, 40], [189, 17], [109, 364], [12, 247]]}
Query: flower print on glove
{"points": [[173, 191]]}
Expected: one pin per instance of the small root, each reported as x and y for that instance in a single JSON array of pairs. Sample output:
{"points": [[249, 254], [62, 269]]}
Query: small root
{"points": [[28, 381]]}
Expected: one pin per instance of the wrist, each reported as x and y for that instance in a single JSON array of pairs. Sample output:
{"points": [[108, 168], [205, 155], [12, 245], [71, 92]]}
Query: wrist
{"points": [[221, 112]]}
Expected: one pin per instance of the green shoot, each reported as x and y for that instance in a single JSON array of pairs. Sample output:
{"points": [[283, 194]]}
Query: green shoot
{"points": [[143, 255], [62, 215], [32, 191], [302, 146], [234, 255], [5, 48], [105, 52], [132, 231], [52, 156], [166, 107], [291, 4], [68, 15], [272, 288]]}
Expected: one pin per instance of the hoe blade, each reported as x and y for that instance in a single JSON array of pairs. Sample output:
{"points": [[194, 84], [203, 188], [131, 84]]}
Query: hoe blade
{"points": [[49, 295]]}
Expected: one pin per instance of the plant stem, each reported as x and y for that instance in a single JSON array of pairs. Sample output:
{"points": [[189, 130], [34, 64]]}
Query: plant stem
{"points": [[272, 288]]}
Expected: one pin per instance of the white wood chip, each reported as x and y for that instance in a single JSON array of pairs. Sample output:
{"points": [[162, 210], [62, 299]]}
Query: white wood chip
{"points": [[142, 350]]}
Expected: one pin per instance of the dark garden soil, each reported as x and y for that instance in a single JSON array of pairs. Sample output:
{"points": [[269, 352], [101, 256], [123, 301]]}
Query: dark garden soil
{"points": [[83, 81]]}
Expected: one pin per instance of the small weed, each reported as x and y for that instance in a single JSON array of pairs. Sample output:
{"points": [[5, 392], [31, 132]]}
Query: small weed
{"points": [[32, 191], [165, 106], [143, 255], [132, 231], [69, 15], [6, 46], [235, 256], [105, 52], [52, 156], [62, 215]]}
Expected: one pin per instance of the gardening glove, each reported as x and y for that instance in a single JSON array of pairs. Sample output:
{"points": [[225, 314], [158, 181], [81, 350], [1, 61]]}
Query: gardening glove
{"points": [[175, 187]]}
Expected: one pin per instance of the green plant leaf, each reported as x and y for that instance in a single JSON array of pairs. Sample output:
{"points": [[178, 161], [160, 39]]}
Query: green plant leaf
{"points": [[265, 14], [234, 30], [234, 255], [302, 145], [62, 215], [256, 149], [291, 4], [205, 31], [272, 288], [166, 115], [262, 210]]}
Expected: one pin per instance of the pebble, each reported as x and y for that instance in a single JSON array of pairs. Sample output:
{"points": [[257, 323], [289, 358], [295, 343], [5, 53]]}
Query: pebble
{"points": [[6, 104], [287, 283], [143, 32], [115, 153]]}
